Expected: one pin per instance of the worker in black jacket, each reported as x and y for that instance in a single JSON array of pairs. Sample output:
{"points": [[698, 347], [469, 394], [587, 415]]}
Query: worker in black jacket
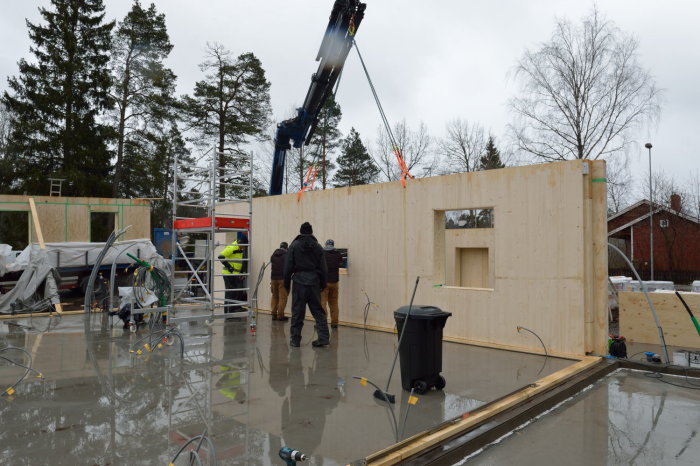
{"points": [[306, 266], [279, 292], [329, 296]]}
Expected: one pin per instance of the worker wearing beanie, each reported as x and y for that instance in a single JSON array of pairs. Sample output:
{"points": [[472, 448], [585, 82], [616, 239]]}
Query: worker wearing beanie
{"points": [[279, 292], [306, 267]]}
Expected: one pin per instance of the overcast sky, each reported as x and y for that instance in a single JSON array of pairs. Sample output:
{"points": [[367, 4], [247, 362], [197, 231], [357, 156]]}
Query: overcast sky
{"points": [[430, 61]]}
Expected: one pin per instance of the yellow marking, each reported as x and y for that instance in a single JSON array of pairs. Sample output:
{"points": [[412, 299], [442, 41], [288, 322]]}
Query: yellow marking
{"points": [[139, 352], [10, 391], [363, 382], [412, 400], [147, 346]]}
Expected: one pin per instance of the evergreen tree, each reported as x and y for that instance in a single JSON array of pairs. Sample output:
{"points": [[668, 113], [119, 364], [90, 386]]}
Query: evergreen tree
{"points": [[144, 93], [57, 101], [492, 158], [326, 138], [231, 105], [355, 166], [158, 182]]}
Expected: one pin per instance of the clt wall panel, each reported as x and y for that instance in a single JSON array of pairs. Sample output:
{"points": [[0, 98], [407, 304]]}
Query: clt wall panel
{"points": [[637, 322], [541, 258], [67, 219]]}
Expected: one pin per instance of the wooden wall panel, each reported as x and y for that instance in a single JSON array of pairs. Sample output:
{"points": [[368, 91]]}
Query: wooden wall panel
{"points": [[68, 218], [637, 322], [395, 234], [79, 225]]}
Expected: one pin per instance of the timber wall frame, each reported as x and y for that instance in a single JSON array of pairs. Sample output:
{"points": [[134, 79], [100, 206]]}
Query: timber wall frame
{"points": [[547, 253], [67, 219]]}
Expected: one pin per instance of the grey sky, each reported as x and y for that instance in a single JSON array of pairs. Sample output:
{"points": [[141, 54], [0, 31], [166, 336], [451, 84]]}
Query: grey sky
{"points": [[430, 61]]}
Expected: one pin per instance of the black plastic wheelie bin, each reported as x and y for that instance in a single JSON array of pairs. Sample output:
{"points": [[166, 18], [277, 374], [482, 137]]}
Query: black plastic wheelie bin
{"points": [[421, 347]]}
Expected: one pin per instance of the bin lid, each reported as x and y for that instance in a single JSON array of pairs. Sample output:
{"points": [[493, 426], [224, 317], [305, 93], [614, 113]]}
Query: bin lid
{"points": [[419, 311]]}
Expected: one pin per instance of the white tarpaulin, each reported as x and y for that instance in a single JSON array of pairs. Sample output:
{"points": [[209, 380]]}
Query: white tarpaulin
{"points": [[78, 254], [34, 289]]}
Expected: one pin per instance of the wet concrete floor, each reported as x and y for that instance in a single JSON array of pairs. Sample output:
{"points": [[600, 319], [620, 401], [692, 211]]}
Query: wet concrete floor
{"points": [[626, 418], [101, 404]]}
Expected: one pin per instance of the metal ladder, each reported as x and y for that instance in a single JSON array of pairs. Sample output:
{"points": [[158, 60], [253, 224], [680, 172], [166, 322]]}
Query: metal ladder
{"points": [[208, 201]]}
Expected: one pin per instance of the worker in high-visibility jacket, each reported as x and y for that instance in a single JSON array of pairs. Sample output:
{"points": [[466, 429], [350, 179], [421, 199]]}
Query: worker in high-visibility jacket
{"points": [[234, 271]]}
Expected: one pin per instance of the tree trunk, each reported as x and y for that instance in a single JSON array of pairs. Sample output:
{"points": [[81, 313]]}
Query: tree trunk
{"points": [[118, 168]]}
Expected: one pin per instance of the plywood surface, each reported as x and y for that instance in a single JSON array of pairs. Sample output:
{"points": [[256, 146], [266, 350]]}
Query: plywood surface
{"points": [[637, 322], [541, 262], [67, 219]]}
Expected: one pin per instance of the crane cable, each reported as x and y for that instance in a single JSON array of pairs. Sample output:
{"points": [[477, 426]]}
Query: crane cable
{"points": [[395, 147]]}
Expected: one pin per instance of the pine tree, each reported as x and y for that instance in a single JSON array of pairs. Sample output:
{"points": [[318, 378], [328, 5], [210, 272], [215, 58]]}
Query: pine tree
{"points": [[492, 158], [230, 105], [326, 138], [355, 166], [144, 91], [159, 180], [58, 100]]}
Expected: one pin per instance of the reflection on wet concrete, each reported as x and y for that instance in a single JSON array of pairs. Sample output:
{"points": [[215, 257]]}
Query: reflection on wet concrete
{"points": [[627, 418], [101, 404]]}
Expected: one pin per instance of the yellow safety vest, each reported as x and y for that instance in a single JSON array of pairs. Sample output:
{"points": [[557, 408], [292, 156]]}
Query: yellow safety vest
{"points": [[233, 252]]}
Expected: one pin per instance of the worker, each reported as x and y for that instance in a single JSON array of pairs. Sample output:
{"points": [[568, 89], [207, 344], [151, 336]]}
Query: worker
{"points": [[305, 266], [235, 268], [329, 296], [279, 292]]}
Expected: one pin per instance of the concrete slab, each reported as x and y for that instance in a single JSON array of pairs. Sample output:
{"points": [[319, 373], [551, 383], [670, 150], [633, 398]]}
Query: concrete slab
{"points": [[101, 404], [626, 418]]}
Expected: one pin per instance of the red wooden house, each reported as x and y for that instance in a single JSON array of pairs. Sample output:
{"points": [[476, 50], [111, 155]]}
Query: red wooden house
{"points": [[676, 241]]}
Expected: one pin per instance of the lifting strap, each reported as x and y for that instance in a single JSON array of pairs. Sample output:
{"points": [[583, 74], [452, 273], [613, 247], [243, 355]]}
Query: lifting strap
{"points": [[395, 147], [309, 181]]}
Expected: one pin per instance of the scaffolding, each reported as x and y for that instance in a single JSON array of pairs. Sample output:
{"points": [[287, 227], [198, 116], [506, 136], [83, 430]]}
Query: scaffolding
{"points": [[208, 203]]}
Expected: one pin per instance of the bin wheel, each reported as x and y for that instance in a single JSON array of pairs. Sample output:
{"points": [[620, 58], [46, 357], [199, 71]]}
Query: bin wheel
{"points": [[440, 384], [420, 387]]}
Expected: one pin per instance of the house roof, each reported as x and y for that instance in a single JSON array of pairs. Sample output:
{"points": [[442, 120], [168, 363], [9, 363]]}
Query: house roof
{"points": [[658, 208]]}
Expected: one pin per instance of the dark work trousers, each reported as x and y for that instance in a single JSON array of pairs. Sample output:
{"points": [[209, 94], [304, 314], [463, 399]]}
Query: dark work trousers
{"points": [[301, 296], [234, 281]]}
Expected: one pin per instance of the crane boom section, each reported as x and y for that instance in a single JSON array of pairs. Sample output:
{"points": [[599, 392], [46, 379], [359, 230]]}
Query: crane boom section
{"points": [[345, 18]]}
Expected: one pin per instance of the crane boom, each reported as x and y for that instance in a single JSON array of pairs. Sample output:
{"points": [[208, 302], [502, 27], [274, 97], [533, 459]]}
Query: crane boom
{"points": [[345, 18]]}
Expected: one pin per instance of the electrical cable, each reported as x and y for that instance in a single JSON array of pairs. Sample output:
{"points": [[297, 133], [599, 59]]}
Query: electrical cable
{"points": [[538, 337], [657, 375], [366, 311], [202, 437], [28, 368], [156, 341]]}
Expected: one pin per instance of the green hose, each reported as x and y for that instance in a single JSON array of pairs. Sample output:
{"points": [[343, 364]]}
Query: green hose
{"points": [[690, 313]]}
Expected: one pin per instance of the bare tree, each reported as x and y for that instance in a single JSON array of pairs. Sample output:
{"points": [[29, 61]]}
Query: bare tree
{"points": [[414, 146], [582, 92], [663, 186], [619, 183], [693, 190], [463, 146]]}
